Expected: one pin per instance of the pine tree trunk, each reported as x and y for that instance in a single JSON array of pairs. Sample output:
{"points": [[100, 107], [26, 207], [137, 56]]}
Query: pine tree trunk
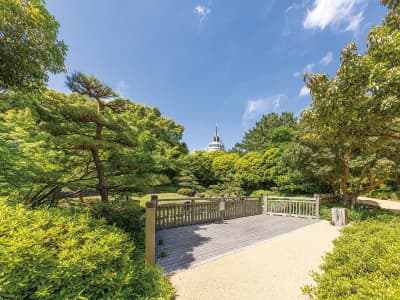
{"points": [[102, 185]]}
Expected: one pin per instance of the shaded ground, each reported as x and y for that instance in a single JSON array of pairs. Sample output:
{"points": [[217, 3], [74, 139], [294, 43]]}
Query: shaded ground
{"points": [[188, 246], [275, 269]]}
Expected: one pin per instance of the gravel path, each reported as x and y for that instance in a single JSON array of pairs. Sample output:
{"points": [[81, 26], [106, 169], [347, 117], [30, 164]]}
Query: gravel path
{"points": [[276, 269], [393, 206]]}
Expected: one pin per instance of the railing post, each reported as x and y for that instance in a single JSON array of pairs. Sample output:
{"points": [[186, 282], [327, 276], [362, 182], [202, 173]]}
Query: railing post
{"points": [[260, 204], [192, 214], [150, 231], [242, 206], [222, 209], [265, 203], [317, 203]]}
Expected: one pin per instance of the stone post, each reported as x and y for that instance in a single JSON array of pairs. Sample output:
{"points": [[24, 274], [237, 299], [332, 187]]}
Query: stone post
{"points": [[317, 204], [265, 203], [150, 231], [339, 216]]}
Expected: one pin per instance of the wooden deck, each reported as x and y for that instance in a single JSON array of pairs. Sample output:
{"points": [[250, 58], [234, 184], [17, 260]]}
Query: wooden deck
{"points": [[188, 246]]}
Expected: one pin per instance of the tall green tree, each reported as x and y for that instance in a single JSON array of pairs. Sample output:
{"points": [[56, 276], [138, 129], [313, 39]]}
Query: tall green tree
{"points": [[250, 171], [129, 145], [352, 128], [29, 44], [272, 130], [223, 165], [94, 113], [391, 4]]}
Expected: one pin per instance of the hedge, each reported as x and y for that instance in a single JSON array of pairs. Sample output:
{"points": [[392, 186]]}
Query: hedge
{"points": [[364, 264], [59, 254], [186, 192]]}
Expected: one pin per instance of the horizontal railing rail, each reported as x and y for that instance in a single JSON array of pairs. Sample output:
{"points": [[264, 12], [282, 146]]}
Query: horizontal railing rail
{"points": [[292, 206], [173, 212], [187, 199]]}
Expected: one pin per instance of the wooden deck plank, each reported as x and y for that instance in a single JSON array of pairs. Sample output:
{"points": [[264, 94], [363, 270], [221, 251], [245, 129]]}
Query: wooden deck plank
{"points": [[191, 245]]}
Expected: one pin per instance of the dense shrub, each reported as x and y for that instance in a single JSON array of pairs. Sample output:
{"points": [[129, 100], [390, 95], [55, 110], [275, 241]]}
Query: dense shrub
{"points": [[364, 264], [54, 254], [127, 215], [186, 192], [59, 254]]}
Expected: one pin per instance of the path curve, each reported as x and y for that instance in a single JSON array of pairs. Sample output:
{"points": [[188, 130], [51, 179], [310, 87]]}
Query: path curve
{"points": [[276, 269], [393, 206]]}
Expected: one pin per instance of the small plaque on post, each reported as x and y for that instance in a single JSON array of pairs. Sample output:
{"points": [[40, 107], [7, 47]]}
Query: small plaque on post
{"points": [[221, 205]]}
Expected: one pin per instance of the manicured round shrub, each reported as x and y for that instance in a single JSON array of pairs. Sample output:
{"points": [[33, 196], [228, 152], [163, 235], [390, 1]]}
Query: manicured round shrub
{"points": [[58, 254], [263, 192], [364, 264], [186, 192]]}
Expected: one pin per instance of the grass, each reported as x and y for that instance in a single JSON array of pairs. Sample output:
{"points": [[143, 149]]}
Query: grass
{"points": [[166, 188], [147, 197]]}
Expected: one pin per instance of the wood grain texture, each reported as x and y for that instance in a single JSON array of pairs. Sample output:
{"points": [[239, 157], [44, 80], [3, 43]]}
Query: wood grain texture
{"points": [[191, 245]]}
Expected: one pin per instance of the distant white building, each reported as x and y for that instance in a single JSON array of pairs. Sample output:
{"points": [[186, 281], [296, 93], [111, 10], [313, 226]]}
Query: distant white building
{"points": [[216, 143]]}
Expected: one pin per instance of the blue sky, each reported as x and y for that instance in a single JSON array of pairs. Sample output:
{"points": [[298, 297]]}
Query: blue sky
{"points": [[211, 61]]}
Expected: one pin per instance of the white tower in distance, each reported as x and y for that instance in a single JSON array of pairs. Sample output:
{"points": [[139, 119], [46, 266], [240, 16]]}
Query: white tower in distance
{"points": [[216, 143]]}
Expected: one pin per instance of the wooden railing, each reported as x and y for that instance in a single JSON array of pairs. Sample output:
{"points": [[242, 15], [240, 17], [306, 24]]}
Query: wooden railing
{"points": [[176, 212], [330, 198], [242, 207], [186, 212], [292, 206], [166, 213]]}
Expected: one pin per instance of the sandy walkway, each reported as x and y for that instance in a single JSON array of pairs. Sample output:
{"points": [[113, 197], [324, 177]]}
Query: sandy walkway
{"points": [[276, 269], [393, 206]]}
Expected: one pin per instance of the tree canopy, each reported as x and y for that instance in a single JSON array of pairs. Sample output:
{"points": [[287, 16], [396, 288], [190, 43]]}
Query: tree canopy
{"points": [[75, 143], [272, 130], [350, 135], [29, 44]]}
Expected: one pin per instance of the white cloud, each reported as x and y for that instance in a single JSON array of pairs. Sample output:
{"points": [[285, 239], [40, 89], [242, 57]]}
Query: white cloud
{"points": [[309, 68], [258, 107], [304, 91], [202, 12], [355, 22], [327, 59], [336, 13], [122, 88]]}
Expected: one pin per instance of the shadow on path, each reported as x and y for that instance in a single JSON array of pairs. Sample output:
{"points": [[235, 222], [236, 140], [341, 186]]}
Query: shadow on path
{"points": [[188, 246]]}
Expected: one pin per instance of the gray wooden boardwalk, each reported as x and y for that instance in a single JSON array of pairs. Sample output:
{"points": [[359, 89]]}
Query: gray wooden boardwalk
{"points": [[192, 245]]}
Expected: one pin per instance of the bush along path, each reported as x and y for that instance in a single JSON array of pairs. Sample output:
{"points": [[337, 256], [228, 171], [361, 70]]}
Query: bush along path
{"points": [[364, 264], [61, 254]]}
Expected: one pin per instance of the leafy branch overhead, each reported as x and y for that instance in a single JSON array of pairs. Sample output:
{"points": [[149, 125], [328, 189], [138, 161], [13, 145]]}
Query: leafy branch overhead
{"points": [[29, 45]]}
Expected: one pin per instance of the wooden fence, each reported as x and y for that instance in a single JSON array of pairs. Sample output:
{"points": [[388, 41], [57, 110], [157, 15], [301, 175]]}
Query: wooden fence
{"points": [[176, 212], [186, 212], [330, 198]]}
